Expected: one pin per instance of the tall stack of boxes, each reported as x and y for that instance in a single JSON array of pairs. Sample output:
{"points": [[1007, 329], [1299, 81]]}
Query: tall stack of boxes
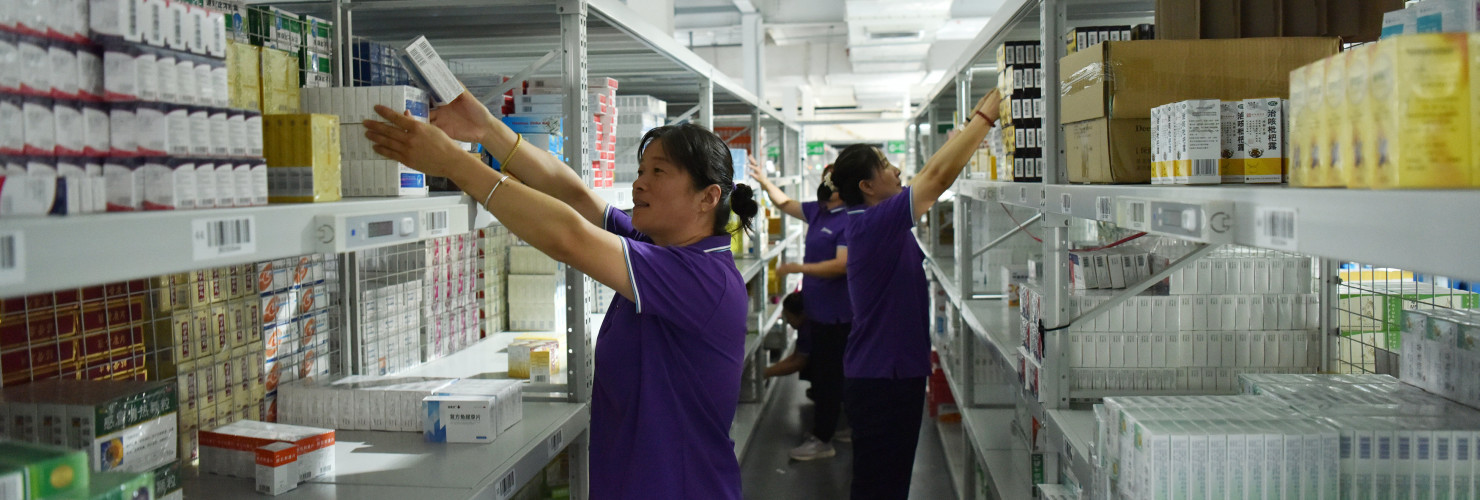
{"points": [[123, 111], [1021, 86], [1398, 114], [533, 279], [295, 298], [120, 426], [1207, 141], [1439, 348], [636, 115], [390, 330], [98, 332], [303, 158], [365, 172], [493, 277], [450, 310], [539, 106], [1227, 314]]}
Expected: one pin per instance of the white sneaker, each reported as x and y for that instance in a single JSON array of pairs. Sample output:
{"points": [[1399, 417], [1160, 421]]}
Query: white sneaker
{"points": [[843, 435], [812, 449]]}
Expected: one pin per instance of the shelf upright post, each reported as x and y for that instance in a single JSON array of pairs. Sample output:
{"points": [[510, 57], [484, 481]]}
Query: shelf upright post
{"points": [[762, 228], [1329, 288], [706, 102], [580, 367], [1054, 377], [932, 230], [341, 42], [962, 222]]}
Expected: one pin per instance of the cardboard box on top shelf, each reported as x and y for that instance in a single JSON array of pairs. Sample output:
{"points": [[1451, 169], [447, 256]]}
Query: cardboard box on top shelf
{"points": [[1353, 20], [1109, 90]]}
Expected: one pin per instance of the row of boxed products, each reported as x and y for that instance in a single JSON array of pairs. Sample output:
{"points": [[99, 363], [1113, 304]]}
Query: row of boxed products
{"points": [[277, 456], [1085, 37], [1227, 273], [1381, 305], [1432, 16], [1192, 313], [26, 194], [40, 472], [1099, 382], [1395, 114], [1302, 436], [76, 130], [1440, 349], [376, 64], [123, 426], [175, 25], [379, 403], [270, 80], [116, 72], [1214, 349], [276, 28], [1109, 90], [1207, 141]]}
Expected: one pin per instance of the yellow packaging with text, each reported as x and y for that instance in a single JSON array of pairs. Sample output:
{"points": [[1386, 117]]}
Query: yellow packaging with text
{"points": [[1426, 79], [244, 75], [1339, 128], [1364, 115], [303, 158], [1474, 109], [1315, 95], [279, 82], [1299, 126]]}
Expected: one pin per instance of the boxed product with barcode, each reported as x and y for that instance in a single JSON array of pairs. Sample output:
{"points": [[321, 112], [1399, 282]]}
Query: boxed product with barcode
{"points": [[1231, 167], [428, 68], [460, 419], [1428, 109], [303, 158], [1264, 127], [1200, 141], [230, 450], [509, 400], [124, 426], [276, 468]]}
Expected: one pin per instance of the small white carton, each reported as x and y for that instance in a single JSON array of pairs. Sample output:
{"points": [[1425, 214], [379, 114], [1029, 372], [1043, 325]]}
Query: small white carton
{"points": [[277, 468], [460, 419]]}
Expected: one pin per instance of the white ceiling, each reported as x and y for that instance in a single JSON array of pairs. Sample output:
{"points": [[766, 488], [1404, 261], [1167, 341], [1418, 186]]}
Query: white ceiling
{"points": [[854, 58]]}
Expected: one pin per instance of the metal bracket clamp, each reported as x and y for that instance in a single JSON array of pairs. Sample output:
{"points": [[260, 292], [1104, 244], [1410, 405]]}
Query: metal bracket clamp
{"points": [[494, 98], [1006, 236], [570, 7], [1132, 291]]}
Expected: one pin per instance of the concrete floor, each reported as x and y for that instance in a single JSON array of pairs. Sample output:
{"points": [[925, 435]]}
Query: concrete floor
{"points": [[767, 473]]}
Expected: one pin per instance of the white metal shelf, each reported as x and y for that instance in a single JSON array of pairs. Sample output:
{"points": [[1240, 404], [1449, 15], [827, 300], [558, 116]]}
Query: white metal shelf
{"points": [[991, 320], [1077, 427], [393, 465], [953, 440], [748, 415], [989, 431], [83, 250]]}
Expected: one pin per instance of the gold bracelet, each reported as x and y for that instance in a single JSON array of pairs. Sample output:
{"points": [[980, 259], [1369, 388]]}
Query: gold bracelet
{"points": [[504, 165]]}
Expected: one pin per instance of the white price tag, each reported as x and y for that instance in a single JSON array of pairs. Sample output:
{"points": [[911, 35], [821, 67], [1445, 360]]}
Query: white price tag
{"points": [[436, 223], [1023, 195], [557, 442], [1275, 228], [1042, 199], [1103, 209], [1066, 203], [12, 258], [506, 486], [223, 237]]}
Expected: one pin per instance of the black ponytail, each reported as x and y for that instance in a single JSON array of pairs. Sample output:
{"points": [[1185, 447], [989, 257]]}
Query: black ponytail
{"points": [[743, 203], [707, 159]]}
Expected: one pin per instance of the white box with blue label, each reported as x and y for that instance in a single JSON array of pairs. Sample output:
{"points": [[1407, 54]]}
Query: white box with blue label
{"points": [[460, 419]]}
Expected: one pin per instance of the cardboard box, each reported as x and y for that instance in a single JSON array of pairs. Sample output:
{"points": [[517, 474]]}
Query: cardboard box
{"points": [[1124, 80], [277, 468], [1354, 21], [1104, 150]]}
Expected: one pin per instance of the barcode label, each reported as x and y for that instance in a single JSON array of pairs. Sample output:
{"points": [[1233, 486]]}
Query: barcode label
{"points": [[436, 223], [557, 442], [1102, 209], [1138, 212], [444, 86], [506, 486], [1275, 228], [1066, 203], [224, 237], [12, 258], [1203, 168], [1042, 198], [1023, 195]]}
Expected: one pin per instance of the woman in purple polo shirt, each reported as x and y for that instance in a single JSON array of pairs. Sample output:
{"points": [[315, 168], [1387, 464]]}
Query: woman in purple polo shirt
{"points": [[888, 355], [669, 356], [825, 297]]}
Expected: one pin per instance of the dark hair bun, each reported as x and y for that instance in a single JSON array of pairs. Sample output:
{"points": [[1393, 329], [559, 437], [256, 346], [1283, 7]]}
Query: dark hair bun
{"points": [[742, 202]]}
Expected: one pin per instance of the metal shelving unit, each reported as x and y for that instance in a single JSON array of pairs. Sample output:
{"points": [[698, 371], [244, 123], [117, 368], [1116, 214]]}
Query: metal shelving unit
{"points": [[1334, 225], [569, 39]]}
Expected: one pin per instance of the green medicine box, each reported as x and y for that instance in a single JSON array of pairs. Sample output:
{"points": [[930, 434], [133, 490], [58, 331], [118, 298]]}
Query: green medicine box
{"points": [[46, 471]]}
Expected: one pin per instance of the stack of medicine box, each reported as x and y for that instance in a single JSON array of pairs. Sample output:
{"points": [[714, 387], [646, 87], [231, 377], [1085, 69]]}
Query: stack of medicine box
{"points": [[636, 115], [214, 346], [450, 310], [1398, 114], [124, 116], [1085, 37], [537, 357], [1430, 16], [493, 278], [295, 298], [359, 402], [472, 410], [367, 173], [303, 158], [390, 327], [1230, 313], [1439, 347], [280, 37], [98, 332], [232, 450], [1022, 105], [534, 280], [1207, 141], [316, 58], [1382, 303], [543, 99], [376, 65], [123, 426], [540, 131]]}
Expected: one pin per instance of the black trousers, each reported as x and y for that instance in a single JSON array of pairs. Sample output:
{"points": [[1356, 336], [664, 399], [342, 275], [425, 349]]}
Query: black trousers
{"points": [[886, 416], [825, 364]]}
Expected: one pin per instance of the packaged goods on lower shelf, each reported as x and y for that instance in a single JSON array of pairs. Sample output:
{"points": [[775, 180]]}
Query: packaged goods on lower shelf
{"points": [[232, 450], [1440, 350], [121, 425], [358, 402], [42, 472], [366, 173], [493, 251], [1208, 141], [535, 355], [121, 486], [276, 468], [509, 406]]}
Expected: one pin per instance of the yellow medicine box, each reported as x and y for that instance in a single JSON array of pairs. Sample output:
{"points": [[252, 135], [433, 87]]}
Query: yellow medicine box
{"points": [[279, 82], [1339, 129], [1425, 79], [303, 159], [244, 75]]}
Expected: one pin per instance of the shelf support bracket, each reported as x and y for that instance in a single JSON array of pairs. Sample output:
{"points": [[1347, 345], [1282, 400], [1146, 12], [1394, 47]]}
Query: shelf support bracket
{"points": [[1132, 291], [686, 115], [495, 97], [1003, 239]]}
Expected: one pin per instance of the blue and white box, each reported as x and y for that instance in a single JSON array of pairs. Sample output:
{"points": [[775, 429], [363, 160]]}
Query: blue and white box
{"points": [[460, 419]]}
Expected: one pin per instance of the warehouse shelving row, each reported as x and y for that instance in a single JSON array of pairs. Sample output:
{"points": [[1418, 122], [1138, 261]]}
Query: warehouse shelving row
{"points": [[569, 39], [1336, 228]]}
